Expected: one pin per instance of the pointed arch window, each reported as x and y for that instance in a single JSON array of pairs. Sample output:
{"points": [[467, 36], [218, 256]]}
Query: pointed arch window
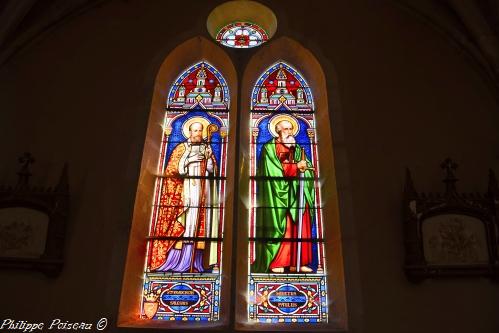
{"points": [[223, 235], [286, 280], [182, 277]]}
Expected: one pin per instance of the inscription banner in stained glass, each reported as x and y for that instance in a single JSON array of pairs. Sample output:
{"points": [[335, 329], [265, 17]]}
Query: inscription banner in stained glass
{"points": [[290, 299], [198, 299]]}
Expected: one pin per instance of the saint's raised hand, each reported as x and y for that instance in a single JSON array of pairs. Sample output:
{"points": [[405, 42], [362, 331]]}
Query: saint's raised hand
{"points": [[209, 152], [302, 166]]}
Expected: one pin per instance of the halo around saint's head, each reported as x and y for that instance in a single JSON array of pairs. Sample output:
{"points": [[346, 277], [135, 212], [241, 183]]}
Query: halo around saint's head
{"points": [[205, 122], [276, 119]]}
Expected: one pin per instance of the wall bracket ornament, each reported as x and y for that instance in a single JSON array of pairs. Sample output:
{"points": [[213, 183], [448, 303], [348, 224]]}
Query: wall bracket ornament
{"points": [[33, 222], [451, 234]]}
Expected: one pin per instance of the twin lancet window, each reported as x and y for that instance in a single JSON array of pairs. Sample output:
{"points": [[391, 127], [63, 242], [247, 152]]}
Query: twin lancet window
{"points": [[286, 279]]}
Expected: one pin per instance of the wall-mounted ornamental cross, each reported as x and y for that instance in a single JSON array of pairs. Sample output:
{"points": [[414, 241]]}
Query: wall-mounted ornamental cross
{"points": [[25, 160]]}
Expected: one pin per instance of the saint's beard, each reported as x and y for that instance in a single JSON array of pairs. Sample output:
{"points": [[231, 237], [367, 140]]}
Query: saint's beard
{"points": [[288, 141], [196, 139]]}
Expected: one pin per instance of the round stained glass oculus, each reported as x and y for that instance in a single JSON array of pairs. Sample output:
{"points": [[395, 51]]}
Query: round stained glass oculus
{"points": [[242, 35]]}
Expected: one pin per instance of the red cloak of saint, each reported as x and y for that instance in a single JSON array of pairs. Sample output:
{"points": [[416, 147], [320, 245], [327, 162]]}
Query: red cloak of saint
{"points": [[171, 207], [286, 256]]}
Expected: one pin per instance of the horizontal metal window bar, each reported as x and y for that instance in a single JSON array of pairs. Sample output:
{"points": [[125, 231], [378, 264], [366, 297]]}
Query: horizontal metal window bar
{"points": [[251, 239], [286, 163], [273, 112], [300, 143], [192, 177], [185, 206], [253, 40], [295, 179], [186, 276], [297, 86], [285, 207], [193, 239], [179, 110], [280, 240], [212, 143]]}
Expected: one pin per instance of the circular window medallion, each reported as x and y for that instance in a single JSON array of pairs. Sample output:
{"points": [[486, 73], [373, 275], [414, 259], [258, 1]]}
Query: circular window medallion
{"points": [[241, 24], [241, 35]]}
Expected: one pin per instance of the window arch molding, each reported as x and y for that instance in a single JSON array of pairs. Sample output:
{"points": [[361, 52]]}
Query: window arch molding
{"points": [[329, 124], [291, 52], [177, 61]]}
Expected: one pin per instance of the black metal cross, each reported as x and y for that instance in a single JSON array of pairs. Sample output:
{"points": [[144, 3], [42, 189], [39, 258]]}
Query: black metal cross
{"points": [[24, 173], [449, 166]]}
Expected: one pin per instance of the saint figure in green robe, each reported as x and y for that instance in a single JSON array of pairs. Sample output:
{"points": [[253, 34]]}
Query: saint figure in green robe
{"points": [[278, 173]]}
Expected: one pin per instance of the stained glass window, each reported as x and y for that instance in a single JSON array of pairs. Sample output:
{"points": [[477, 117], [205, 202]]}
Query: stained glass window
{"points": [[183, 267], [242, 35], [287, 281]]}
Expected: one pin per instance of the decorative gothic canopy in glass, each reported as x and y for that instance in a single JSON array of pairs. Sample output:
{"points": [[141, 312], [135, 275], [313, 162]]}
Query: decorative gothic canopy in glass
{"points": [[201, 86], [281, 87]]}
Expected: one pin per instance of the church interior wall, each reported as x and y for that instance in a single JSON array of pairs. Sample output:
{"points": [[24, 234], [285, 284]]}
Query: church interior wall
{"points": [[399, 95]]}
